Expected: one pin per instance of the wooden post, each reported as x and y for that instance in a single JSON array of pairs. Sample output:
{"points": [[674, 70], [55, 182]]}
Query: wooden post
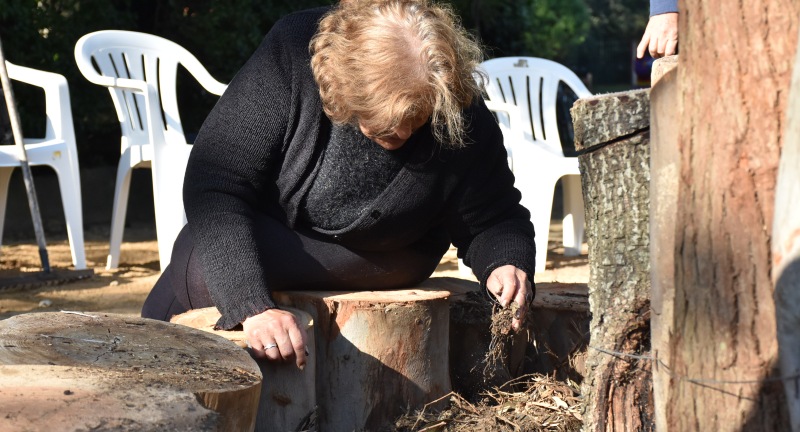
{"points": [[288, 395], [612, 134], [106, 371], [379, 353], [664, 170], [732, 94]]}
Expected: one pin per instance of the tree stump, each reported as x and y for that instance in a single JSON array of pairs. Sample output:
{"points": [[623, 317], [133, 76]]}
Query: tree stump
{"points": [[612, 135], [288, 396], [379, 354], [555, 341], [112, 372]]}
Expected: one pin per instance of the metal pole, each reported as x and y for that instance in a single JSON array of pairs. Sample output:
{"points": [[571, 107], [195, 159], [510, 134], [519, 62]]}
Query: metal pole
{"points": [[16, 128]]}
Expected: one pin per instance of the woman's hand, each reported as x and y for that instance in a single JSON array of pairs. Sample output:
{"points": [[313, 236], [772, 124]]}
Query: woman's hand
{"points": [[508, 284], [274, 334], [660, 37]]}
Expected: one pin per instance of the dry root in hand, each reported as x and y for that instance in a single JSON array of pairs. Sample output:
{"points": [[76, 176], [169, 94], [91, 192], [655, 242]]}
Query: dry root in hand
{"points": [[502, 335]]}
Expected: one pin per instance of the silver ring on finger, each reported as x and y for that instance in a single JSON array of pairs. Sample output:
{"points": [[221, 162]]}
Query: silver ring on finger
{"points": [[270, 346]]}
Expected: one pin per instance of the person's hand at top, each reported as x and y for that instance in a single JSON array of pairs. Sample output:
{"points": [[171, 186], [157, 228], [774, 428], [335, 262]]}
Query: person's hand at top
{"points": [[510, 284], [275, 335], [660, 37]]}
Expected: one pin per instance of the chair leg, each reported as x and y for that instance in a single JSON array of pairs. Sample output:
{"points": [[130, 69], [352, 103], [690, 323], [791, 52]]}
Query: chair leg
{"points": [[70, 186], [463, 269], [574, 218], [539, 201], [120, 207], [168, 195], [5, 177]]}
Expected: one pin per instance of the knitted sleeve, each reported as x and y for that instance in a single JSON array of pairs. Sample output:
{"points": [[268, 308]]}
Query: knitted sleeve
{"points": [[232, 167], [488, 224], [658, 7]]}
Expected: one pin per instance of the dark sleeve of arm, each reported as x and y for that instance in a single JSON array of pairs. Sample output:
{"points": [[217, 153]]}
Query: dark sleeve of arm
{"points": [[229, 176], [488, 225], [658, 7]]}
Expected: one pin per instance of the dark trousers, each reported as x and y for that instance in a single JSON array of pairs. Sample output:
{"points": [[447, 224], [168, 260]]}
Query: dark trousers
{"points": [[295, 261]]}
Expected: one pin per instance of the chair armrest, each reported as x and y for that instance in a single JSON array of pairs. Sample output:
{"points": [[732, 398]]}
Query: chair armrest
{"points": [[514, 130], [57, 103], [201, 74]]}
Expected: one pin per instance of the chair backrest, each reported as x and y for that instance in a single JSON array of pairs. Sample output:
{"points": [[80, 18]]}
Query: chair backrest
{"points": [[531, 84], [108, 56]]}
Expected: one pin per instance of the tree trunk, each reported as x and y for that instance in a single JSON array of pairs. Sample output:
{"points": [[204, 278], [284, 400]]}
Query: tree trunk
{"points": [[733, 82], [612, 133], [379, 353], [786, 250], [288, 396], [107, 371]]}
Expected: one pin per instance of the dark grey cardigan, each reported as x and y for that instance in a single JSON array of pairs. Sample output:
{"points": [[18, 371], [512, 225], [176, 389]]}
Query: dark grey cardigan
{"points": [[258, 151]]}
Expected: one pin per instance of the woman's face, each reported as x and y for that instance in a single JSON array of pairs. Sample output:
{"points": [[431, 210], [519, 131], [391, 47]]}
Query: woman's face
{"points": [[398, 136]]}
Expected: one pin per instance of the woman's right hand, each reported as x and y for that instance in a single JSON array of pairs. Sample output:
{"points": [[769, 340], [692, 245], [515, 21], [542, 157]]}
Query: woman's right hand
{"points": [[277, 331]]}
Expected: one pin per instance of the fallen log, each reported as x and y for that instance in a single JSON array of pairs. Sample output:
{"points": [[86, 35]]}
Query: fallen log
{"points": [[108, 371]]}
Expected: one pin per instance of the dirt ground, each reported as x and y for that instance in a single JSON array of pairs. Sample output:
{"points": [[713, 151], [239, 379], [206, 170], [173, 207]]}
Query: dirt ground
{"points": [[123, 290]]}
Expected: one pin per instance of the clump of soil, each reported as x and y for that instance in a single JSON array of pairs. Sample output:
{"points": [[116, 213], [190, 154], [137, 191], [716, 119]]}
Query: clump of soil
{"points": [[497, 358], [529, 403]]}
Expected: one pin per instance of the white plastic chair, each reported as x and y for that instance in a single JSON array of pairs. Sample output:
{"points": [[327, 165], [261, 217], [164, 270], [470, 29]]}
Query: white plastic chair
{"points": [[522, 92], [56, 150], [140, 72]]}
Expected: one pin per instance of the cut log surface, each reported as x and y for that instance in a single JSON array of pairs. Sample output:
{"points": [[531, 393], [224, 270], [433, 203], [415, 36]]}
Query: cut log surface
{"points": [[152, 364], [379, 353], [69, 398], [573, 297], [602, 119], [205, 319], [288, 394]]}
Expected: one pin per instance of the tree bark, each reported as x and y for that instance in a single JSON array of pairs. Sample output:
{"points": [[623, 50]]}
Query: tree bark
{"points": [[288, 394], [107, 371], [612, 133], [379, 353], [733, 82]]}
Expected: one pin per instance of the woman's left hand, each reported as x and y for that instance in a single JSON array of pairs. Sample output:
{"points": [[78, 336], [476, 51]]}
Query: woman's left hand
{"points": [[507, 284]]}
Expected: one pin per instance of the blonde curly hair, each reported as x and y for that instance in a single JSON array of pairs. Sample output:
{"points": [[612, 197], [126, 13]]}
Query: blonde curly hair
{"points": [[380, 63]]}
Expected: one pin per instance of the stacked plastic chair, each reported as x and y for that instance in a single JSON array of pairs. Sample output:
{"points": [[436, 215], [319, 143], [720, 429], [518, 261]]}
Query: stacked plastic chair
{"points": [[522, 92], [140, 72], [57, 150]]}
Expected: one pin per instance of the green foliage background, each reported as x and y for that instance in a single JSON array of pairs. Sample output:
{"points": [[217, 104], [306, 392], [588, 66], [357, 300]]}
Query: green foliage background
{"points": [[223, 33]]}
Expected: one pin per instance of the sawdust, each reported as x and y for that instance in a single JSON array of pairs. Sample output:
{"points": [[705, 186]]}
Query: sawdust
{"points": [[529, 403]]}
